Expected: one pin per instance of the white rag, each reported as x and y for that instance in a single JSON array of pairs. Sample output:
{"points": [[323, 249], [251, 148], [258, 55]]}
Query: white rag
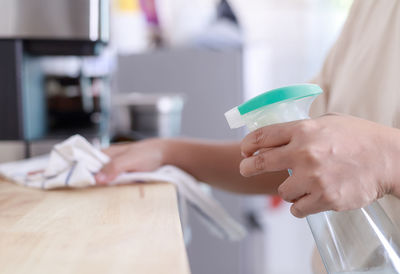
{"points": [[74, 162]]}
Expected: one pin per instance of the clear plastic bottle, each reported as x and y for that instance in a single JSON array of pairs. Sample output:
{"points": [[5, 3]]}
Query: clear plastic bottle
{"points": [[357, 241]]}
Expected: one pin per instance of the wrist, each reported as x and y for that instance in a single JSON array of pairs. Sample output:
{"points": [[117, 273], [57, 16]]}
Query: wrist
{"points": [[168, 151]]}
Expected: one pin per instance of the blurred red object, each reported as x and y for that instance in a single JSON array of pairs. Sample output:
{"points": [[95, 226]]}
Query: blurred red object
{"points": [[274, 202]]}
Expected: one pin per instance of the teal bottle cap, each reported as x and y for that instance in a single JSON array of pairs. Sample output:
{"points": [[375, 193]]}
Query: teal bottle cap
{"points": [[279, 95]]}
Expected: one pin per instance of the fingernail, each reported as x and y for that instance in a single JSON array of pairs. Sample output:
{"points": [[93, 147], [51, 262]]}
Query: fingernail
{"points": [[243, 173]]}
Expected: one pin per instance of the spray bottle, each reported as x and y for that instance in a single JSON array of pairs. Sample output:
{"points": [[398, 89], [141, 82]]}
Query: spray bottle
{"points": [[356, 241]]}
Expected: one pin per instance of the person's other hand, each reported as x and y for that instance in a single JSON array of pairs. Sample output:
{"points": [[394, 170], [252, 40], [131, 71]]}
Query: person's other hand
{"points": [[139, 156], [338, 162]]}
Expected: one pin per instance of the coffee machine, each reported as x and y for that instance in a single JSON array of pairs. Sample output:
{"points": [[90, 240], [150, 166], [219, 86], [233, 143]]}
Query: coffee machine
{"points": [[40, 106]]}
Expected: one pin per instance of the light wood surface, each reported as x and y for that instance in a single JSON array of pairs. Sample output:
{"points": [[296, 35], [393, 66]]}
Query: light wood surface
{"points": [[123, 229]]}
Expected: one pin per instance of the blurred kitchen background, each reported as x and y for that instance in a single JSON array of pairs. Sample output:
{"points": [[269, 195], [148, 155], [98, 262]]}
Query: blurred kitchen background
{"points": [[121, 70]]}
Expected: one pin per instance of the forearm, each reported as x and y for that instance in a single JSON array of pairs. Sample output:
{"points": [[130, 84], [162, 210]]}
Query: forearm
{"points": [[218, 165]]}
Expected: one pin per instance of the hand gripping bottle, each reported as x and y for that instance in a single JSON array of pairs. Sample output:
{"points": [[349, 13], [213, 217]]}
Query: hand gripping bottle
{"points": [[356, 241]]}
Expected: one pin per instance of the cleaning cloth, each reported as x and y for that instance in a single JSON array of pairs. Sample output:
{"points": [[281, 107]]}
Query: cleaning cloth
{"points": [[74, 162]]}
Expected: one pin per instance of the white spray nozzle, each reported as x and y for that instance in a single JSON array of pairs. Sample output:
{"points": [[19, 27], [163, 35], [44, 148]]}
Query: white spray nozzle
{"points": [[234, 118]]}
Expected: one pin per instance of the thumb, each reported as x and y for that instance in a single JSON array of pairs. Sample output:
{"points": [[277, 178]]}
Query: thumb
{"points": [[108, 173], [116, 166]]}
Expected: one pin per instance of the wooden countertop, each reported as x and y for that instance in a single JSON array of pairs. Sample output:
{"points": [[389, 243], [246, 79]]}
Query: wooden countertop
{"points": [[123, 229]]}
